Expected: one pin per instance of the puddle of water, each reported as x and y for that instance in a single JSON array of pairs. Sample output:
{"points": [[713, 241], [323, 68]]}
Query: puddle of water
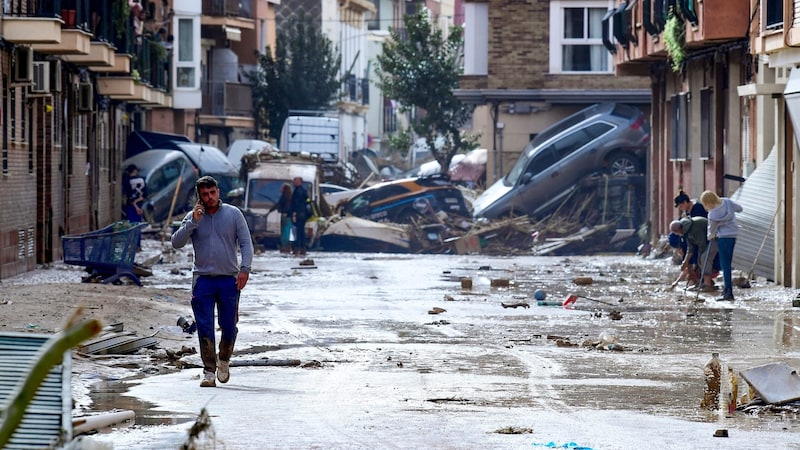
{"points": [[110, 395]]}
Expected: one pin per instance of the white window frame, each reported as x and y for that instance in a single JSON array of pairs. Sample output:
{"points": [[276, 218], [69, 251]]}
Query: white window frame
{"points": [[194, 61], [557, 40], [476, 38]]}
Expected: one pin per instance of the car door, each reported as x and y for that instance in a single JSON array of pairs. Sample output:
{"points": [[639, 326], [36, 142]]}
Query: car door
{"points": [[161, 188], [537, 183], [578, 153]]}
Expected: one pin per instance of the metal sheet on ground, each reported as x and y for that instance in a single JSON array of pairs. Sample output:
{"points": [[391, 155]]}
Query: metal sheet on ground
{"points": [[775, 383]]}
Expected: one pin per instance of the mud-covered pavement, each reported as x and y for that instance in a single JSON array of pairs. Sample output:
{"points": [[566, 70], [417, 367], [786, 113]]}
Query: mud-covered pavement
{"points": [[379, 371]]}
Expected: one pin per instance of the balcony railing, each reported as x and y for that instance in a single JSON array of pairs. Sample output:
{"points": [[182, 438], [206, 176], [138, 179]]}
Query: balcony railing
{"points": [[34, 8], [232, 8], [355, 90], [222, 98], [152, 62]]}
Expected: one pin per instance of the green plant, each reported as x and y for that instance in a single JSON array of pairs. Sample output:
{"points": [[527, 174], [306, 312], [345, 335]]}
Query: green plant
{"points": [[400, 142], [674, 41], [157, 51], [121, 11]]}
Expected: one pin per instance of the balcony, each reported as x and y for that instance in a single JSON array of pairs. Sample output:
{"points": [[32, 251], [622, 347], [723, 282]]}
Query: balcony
{"points": [[227, 104], [32, 22], [354, 95], [122, 64], [120, 88], [230, 14], [100, 54], [131, 90], [716, 22], [74, 41], [636, 29], [773, 32], [153, 63], [228, 8], [632, 33], [19, 30]]}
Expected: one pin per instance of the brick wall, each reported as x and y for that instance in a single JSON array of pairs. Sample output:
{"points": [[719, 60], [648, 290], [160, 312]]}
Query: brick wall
{"points": [[519, 53]]}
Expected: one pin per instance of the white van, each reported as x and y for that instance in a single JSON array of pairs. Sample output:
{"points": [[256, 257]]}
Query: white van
{"points": [[314, 135]]}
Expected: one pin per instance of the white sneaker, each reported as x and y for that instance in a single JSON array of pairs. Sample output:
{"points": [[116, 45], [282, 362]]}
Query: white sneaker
{"points": [[208, 380], [223, 371]]}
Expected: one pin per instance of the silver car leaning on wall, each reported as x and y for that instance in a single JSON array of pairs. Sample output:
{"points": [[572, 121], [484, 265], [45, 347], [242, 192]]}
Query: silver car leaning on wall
{"points": [[609, 137]]}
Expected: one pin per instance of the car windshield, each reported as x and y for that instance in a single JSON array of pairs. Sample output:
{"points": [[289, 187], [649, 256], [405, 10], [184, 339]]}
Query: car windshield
{"points": [[520, 165]]}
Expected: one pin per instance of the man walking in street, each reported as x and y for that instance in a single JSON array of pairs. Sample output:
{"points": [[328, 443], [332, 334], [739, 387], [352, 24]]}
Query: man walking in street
{"points": [[299, 210], [216, 230]]}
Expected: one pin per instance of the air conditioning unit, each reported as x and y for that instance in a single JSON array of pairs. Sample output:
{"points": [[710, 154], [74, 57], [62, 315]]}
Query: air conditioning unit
{"points": [[85, 97], [22, 71], [41, 77], [55, 76]]}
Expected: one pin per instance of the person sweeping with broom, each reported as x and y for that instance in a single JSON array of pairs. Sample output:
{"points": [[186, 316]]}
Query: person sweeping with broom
{"points": [[722, 227], [695, 231]]}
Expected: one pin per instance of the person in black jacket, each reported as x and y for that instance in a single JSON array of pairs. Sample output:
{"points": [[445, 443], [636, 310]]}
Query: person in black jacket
{"points": [[688, 208], [284, 206], [299, 211]]}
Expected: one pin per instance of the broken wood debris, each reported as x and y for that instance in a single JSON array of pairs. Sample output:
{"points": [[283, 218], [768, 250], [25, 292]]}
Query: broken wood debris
{"points": [[516, 305], [514, 430], [118, 343], [265, 362]]}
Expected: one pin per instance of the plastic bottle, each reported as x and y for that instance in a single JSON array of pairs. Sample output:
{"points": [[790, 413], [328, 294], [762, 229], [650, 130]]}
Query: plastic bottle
{"points": [[731, 390], [712, 371]]}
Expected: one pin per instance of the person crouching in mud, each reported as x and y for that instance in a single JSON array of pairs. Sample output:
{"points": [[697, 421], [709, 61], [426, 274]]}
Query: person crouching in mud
{"points": [[216, 231]]}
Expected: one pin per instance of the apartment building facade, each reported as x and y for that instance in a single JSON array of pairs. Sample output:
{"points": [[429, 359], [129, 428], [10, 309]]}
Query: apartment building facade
{"points": [[772, 96], [77, 76], [529, 63]]}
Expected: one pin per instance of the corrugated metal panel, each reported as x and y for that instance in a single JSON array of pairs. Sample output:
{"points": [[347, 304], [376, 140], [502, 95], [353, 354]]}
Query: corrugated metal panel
{"points": [[50, 413], [757, 197]]}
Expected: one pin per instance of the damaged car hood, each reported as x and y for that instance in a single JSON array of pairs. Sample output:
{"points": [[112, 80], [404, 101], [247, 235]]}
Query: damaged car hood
{"points": [[489, 197]]}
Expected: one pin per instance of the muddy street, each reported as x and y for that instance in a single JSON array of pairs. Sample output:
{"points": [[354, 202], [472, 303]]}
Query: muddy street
{"points": [[395, 353]]}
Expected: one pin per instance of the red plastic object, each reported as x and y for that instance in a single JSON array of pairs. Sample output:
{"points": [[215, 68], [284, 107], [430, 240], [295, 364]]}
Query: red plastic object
{"points": [[570, 301]]}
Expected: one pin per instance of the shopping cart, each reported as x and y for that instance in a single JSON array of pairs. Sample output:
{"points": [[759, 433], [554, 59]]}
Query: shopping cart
{"points": [[107, 253]]}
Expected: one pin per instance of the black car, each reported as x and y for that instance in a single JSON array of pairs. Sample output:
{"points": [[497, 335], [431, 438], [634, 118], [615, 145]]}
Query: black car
{"points": [[401, 200]]}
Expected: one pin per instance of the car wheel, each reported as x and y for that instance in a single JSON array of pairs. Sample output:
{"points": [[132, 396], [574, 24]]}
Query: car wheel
{"points": [[622, 163]]}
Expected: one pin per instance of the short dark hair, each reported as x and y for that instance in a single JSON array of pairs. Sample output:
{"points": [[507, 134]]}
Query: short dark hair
{"points": [[205, 182], [131, 168]]}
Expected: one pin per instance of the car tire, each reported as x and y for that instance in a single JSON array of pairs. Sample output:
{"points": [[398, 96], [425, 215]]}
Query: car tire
{"points": [[622, 163]]}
